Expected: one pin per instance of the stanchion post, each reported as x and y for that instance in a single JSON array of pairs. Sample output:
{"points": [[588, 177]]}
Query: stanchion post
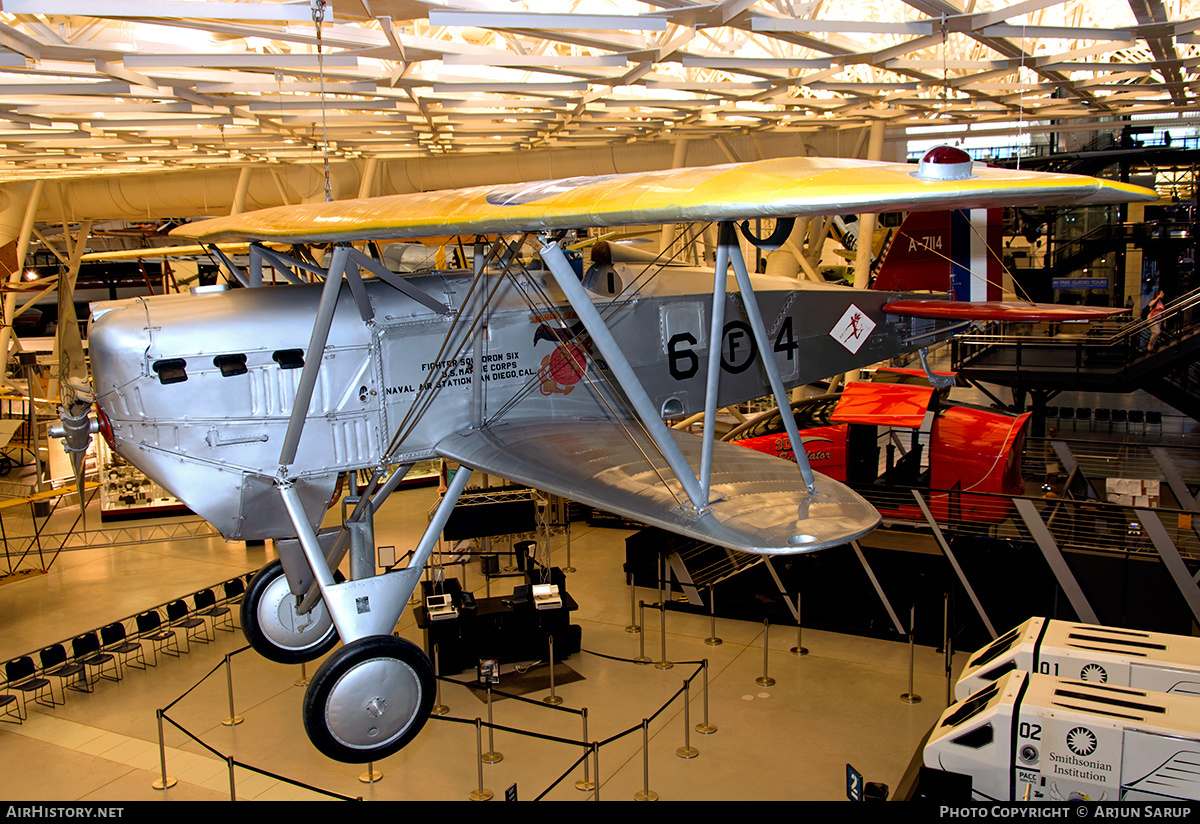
{"points": [[165, 782], [302, 681], [642, 658], [687, 750], [663, 663], [479, 794], [766, 680], [799, 651], [911, 696], [634, 625], [947, 649], [596, 768], [645, 794], [438, 707], [704, 727], [371, 775], [491, 756], [234, 719], [712, 640], [568, 568], [662, 578], [585, 783], [232, 783], [552, 698]]}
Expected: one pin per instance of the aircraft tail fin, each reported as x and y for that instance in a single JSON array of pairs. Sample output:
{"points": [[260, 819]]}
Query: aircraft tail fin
{"points": [[956, 252]]}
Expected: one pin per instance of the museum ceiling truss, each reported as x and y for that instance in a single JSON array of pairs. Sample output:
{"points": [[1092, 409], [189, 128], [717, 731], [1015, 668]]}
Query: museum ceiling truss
{"points": [[135, 85]]}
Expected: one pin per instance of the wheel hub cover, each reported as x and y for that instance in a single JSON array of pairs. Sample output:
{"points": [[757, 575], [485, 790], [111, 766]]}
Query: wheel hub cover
{"points": [[373, 703], [281, 624]]}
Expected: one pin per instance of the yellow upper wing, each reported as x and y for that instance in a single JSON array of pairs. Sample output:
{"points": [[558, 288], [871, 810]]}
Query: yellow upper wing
{"points": [[782, 187]]}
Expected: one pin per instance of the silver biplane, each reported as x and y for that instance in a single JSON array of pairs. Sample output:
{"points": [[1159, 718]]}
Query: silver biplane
{"points": [[248, 403]]}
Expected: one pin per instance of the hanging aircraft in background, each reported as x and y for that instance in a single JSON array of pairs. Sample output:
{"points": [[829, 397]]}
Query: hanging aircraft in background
{"points": [[248, 404], [955, 251], [970, 450]]}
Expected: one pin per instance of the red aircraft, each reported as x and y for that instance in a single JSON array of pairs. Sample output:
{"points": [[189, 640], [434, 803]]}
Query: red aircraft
{"points": [[970, 450]]}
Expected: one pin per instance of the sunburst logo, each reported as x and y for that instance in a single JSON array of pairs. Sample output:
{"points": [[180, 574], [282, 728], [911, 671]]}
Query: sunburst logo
{"points": [[1081, 741], [1094, 673]]}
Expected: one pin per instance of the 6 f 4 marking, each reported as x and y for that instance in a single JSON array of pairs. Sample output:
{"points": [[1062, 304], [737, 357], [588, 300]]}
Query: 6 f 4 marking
{"points": [[738, 349]]}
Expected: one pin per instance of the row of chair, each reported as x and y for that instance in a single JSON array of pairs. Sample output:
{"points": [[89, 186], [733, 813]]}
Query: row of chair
{"points": [[1085, 415], [106, 654]]}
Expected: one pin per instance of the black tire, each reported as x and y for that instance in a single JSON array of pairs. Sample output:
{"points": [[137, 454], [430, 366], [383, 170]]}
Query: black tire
{"points": [[369, 699], [267, 612]]}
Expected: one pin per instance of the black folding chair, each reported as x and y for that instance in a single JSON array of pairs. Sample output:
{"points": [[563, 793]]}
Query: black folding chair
{"points": [[178, 615], [207, 607], [150, 628], [22, 677], [9, 703], [86, 649], [56, 664], [115, 640]]}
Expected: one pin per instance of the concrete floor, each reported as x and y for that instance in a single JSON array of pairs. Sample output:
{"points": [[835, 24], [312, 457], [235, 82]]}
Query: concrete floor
{"points": [[792, 740]]}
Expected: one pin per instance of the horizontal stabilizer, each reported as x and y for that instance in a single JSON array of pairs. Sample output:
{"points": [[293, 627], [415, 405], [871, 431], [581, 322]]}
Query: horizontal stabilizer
{"points": [[996, 310], [760, 504]]}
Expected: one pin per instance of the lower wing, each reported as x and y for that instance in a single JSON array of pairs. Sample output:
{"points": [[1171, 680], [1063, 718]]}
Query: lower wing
{"points": [[759, 503]]}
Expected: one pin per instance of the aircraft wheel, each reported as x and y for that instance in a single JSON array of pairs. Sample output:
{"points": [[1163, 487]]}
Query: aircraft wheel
{"points": [[273, 628], [369, 699]]}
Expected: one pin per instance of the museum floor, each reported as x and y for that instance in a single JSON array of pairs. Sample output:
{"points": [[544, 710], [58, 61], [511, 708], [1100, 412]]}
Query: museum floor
{"points": [[792, 740], [839, 704]]}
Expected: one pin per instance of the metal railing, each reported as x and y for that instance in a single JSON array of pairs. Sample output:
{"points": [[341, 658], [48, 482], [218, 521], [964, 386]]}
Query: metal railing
{"points": [[1076, 525], [1112, 459], [1096, 347]]}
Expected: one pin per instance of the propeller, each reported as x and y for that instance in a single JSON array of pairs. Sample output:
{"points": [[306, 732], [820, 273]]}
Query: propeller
{"points": [[75, 425]]}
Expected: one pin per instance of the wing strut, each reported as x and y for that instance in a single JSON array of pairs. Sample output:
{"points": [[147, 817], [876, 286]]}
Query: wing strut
{"points": [[315, 354], [713, 379], [728, 239], [568, 281]]}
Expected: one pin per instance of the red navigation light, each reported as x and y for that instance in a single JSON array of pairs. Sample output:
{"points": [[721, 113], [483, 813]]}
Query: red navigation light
{"points": [[945, 163]]}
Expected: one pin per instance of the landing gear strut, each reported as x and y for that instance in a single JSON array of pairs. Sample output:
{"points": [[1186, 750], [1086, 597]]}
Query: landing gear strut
{"points": [[372, 696]]}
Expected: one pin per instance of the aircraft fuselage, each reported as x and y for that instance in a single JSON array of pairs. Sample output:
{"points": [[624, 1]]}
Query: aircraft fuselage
{"points": [[198, 388]]}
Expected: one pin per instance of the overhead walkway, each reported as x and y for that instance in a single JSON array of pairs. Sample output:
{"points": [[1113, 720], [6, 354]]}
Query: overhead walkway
{"points": [[1158, 357]]}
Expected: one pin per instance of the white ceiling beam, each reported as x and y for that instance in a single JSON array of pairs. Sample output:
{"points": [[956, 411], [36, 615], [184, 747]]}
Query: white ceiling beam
{"points": [[938, 65], [244, 86], [71, 108], [509, 59], [20, 42], [754, 63], [106, 88], [117, 72], [507, 88], [788, 24], [534, 20], [195, 9], [240, 61], [702, 86], [1058, 32]]}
